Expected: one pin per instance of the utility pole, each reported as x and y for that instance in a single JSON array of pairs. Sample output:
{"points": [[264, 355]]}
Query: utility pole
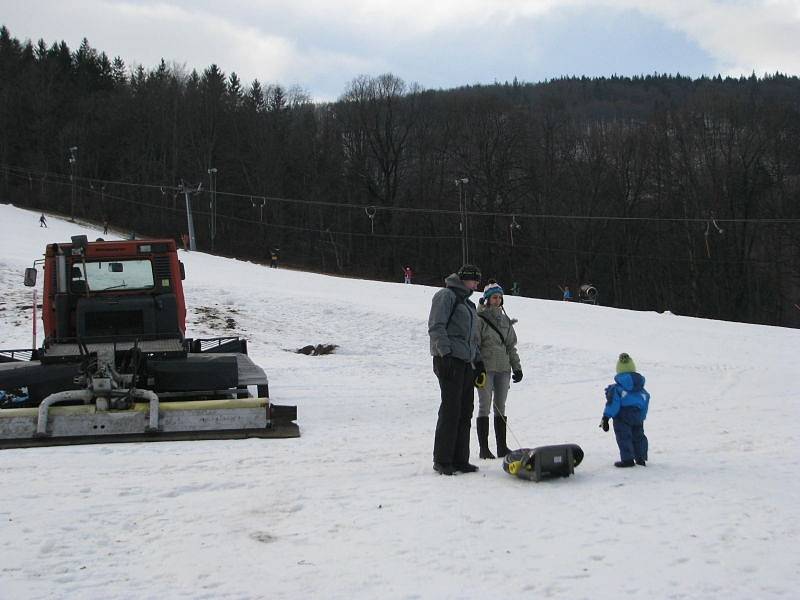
{"points": [[73, 159], [187, 192], [464, 225], [212, 175]]}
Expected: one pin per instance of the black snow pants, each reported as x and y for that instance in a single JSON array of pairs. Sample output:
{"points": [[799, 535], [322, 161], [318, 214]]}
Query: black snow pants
{"points": [[451, 444]]}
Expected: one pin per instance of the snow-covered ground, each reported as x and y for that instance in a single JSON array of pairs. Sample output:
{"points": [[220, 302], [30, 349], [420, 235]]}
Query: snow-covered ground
{"points": [[352, 509]]}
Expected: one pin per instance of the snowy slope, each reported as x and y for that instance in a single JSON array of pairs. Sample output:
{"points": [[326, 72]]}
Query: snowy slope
{"points": [[352, 509]]}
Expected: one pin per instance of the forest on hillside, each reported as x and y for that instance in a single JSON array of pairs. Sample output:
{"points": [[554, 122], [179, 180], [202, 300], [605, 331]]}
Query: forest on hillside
{"points": [[664, 192]]}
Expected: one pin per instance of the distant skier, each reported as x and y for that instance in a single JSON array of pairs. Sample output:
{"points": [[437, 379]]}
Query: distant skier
{"points": [[43, 221], [408, 273], [105, 227], [273, 258], [627, 402], [567, 294]]}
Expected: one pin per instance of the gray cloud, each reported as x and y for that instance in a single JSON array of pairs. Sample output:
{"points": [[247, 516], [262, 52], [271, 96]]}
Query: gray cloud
{"points": [[322, 45]]}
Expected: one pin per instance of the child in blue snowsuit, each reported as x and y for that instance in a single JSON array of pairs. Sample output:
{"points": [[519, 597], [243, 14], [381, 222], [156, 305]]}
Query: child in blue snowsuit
{"points": [[626, 403]]}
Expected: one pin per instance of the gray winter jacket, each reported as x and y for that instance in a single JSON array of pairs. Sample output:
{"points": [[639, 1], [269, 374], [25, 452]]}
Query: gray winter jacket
{"points": [[498, 354], [460, 336]]}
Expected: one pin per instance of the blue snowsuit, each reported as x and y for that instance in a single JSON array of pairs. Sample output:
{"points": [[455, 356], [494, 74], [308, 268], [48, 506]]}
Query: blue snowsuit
{"points": [[626, 403]]}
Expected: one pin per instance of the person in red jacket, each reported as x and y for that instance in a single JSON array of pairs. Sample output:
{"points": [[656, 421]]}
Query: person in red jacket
{"points": [[408, 273]]}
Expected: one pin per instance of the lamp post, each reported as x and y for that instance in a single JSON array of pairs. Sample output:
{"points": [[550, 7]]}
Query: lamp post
{"points": [[464, 225], [212, 175], [73, 159]]}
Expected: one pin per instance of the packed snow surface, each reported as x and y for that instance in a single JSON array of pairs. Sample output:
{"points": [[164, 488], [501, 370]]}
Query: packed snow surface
{"points": [[352, 509]]}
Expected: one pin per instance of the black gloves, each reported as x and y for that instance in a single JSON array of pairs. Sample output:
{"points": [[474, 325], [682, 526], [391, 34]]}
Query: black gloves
{"points": [[516, 377], [604, 424], [480, 375]]}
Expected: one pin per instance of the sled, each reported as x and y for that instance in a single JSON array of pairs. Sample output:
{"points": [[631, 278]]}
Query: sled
{"points": [[543, 462]]}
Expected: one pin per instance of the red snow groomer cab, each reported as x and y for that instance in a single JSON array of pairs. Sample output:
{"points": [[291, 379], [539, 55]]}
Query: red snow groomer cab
{"points": [[116, 364], [116, 290]]}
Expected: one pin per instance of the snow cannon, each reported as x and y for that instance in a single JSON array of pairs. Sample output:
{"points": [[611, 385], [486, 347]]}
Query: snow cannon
{"points": [[543, 462], [587, 294]]}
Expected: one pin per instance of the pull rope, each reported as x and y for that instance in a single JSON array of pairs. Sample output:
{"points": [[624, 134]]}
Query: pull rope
{"points": [[505, 420]]}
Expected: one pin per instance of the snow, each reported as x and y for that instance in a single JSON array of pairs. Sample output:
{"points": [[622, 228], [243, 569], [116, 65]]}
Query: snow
{"points": [[352, 509]]}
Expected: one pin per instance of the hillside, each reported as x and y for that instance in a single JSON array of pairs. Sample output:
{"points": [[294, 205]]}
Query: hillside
{"points": [[352, 509]]}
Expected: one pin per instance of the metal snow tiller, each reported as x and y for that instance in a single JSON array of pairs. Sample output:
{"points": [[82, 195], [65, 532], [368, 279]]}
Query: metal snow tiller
{"points": [[116, 366]]}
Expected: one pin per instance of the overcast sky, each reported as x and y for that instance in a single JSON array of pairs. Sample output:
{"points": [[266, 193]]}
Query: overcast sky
{"points": [[322, 45]]}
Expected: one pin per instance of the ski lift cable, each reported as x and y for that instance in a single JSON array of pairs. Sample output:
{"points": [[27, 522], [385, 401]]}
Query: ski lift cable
{"points": [[347, 205], [15, 170], [473, 213], [423, 237], [277, 226], [485, 241]]}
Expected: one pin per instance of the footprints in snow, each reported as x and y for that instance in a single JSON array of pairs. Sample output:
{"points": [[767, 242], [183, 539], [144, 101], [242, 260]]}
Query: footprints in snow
{"points": [[262, 536]]}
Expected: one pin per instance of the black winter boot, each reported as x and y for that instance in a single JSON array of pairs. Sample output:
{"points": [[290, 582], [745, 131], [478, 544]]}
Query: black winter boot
{"points": [[443, 469], [465, 468], [482, 425], [623, 464], [500, 436]]}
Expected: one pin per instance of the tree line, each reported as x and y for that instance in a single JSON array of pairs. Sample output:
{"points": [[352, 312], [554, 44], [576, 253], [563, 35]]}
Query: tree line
{"points": [[665, 192]]}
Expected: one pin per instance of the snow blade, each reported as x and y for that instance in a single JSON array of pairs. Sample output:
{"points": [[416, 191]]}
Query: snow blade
{"points": [[543, 462], [192, 420]]}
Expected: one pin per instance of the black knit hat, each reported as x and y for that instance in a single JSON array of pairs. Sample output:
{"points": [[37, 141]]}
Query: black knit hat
{"points": [[469, 272]]}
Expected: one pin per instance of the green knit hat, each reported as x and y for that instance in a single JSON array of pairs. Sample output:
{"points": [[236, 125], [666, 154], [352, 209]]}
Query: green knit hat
{"points": [[625, 364]]}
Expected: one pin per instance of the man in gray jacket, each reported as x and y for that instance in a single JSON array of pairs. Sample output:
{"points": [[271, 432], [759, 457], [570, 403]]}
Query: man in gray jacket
{"points": [[453, 328]]}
